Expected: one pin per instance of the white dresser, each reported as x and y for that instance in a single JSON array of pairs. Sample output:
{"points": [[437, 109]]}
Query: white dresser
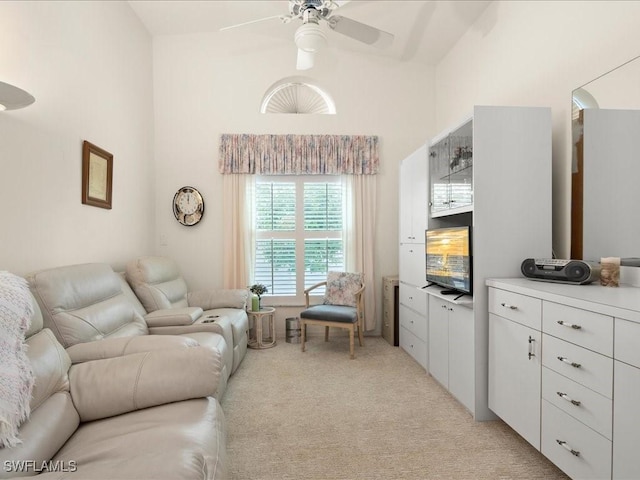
{"points": [[564, 372]]}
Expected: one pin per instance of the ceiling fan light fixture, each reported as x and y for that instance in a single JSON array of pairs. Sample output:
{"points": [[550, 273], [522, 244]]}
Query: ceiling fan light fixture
{"points": [[310, 37]]}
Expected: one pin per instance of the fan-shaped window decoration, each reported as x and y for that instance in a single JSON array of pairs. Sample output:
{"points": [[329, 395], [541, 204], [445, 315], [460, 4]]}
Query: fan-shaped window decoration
{"points": [[582, 99], [297, 95]]}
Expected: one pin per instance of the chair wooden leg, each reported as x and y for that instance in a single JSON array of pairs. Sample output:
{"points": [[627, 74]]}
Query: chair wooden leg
{"points": [[360, 336], [303, 334], [326, 334], [351, 343]]}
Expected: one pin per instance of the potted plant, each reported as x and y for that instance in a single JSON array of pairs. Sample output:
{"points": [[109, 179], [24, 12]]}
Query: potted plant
{"points": [[258, 289]]}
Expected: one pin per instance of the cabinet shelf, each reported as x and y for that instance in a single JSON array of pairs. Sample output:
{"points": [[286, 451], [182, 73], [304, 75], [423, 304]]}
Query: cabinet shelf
{"points": [[462, 173], [434, 290], [452, 211]]}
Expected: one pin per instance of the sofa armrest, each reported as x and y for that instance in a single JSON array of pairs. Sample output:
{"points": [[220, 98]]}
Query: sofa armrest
{"points": [[104, 388], [118, 347], [173, 316], [212, 299]]}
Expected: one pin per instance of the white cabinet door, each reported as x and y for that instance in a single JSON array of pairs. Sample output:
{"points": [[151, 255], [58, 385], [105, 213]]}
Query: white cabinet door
{"points": [[461, 359], [413, 197], [412, 264], [626, 421], [439, 341], [514, 376]]}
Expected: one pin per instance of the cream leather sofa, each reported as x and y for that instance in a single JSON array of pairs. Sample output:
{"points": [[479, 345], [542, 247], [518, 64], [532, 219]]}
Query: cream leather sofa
{"points": [[90, 308], [144, 415], [159, 285]]}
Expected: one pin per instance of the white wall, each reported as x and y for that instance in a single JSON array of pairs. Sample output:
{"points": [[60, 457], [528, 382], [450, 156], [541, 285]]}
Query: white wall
{"points": [[89, 66], [535, 53], [206, 85]]}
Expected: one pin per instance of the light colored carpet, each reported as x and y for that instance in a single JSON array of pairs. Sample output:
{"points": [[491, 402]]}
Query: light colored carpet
{"points": [[319, 415]]}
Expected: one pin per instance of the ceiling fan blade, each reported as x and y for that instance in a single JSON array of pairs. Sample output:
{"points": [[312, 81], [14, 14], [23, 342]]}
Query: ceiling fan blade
{"points": [[340, 3], [360, 31], [305, 59], [283, 19]]}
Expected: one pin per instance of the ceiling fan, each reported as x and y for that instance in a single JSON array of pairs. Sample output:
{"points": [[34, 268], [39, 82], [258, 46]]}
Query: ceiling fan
{"points": [[310, 38]]}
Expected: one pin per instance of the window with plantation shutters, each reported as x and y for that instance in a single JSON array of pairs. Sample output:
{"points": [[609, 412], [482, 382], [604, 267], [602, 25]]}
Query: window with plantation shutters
{"points": [[298, 232]]}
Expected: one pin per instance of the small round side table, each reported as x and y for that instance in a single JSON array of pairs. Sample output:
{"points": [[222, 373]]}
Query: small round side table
{"points": [[257, 316]]}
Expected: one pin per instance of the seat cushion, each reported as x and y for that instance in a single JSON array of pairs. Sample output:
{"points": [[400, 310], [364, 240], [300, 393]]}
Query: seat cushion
{"points": [[182, 440], [331, 313]]}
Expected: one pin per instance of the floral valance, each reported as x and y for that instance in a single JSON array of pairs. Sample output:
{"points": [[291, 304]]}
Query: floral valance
{"points": [[298, 154]]}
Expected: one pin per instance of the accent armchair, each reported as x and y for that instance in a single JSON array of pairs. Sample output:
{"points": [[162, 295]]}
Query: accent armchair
{"points": [[342, 307]]}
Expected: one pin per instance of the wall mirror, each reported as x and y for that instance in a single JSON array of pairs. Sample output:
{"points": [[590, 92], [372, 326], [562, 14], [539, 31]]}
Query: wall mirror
{"points": [[605, 193]]}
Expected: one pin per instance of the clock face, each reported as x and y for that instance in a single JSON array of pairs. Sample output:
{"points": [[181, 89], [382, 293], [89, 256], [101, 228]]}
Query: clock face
{"points": [[188, 206]]}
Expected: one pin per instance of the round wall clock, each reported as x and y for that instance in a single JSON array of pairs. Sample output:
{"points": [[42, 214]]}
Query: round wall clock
{"points": [[188, 206]]}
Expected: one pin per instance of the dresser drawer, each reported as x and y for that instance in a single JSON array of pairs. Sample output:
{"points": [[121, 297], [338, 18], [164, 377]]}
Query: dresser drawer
{"points": [[627, 341], [587, 329], [519, 308], [413, 298], [582, 403], [414, 322], [562, 434], [583, 366], [414, 346]]}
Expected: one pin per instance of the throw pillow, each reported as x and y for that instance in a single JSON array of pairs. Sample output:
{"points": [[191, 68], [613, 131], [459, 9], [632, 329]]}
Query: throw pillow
{"points": [[342, 287]]}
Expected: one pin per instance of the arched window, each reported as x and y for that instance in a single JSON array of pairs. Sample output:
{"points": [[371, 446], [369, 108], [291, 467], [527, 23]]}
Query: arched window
{"points": [[297, 95]]}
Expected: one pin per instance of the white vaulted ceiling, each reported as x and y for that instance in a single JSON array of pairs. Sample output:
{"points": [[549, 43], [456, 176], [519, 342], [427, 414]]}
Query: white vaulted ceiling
{"points": [[424, 30]]}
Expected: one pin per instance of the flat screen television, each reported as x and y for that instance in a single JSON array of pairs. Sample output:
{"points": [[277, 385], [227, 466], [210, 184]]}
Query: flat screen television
{"points": [[448, 259]]}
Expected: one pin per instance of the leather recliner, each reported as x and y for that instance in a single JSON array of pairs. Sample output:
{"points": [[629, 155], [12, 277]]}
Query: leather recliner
{"points": [[160, 287], [93, 317], [147, 415]]}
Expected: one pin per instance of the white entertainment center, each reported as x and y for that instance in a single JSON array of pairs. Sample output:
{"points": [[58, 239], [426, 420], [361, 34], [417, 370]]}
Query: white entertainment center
{"points": [[493, 173]]}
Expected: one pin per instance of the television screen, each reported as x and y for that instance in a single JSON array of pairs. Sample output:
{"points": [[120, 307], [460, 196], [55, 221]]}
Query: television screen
{"points": [[448, 258]]}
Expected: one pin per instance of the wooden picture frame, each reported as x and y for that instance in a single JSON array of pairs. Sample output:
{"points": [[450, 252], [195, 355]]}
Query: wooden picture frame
{"points": [[97, 176]]}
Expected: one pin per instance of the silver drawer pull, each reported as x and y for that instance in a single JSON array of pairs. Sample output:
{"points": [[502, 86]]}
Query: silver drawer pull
{"points": [[569, 362], [511, 307], [530, 353], [564, 444], [566, 397], [570, 325]]}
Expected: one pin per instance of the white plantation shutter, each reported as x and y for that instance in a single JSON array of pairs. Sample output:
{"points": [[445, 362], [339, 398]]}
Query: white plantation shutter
{"points": [[298, 226], [276, 265], [275, 262]]}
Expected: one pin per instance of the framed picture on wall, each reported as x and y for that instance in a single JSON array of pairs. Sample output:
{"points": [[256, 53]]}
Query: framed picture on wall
{"points": [[97, 176]]}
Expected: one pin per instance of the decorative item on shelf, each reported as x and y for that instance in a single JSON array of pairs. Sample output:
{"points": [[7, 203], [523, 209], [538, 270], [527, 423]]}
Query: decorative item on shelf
{"points": [[610, 272], [257, 289], [461, 158]]}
